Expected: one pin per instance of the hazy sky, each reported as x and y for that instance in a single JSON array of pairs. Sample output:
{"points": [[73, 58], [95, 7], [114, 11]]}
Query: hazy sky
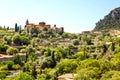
{"points": [[73, 15]]}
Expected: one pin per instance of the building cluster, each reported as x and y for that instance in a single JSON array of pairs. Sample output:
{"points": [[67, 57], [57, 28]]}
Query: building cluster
{"points": [[43, 26]]}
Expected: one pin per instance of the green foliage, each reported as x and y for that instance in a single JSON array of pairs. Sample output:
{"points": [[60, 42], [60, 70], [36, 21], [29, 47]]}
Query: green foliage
{"points": [[32, 57], [16, 28], [110, 21], [3, 48], [76, 42], [34, 32], [34, 72], [24, 40], [111, 75], [3, 74], [16, 67], [7, 39], [67, 66], [79, 56], [103, 66], [12, 50], [20, 40], [17, 59], [23, 50], [17, 39], [9, 65], [86, 74], [115, 61], [23, 76], [26, 67], [47, 62]]}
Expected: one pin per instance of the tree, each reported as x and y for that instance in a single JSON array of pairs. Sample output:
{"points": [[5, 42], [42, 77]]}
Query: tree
{"points": [[67, 66], [112, 47], [23, 76], [17, 39], [34, 32], [7, 39], [47, 62], [76, 42], [16, 27], [111, 75], [85, 74], [24, 40], [116, 61], [53, 57], [20, 30], [34, 72], [26, 67], [3, 48], [12, 51], [45, 29], [102, 66], [17, 59], [30, 53]]}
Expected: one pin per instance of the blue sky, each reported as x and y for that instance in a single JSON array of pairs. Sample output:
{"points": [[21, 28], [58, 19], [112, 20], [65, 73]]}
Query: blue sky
{"points": [[74, 15]]}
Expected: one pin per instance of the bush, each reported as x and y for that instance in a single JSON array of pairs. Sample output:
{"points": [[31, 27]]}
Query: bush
{"points": [[17, 39], [6, 65], [115, 61], [103, 66], [3, 48], [23, 51], [3, 74], [111, 75], [23, 76], [17, 59], [67, 66], [76, 42], [12, 51], [10, 65], [47, 62], [24, 40], [20, 40], [7, 39], [86, 74], [16, 66]]}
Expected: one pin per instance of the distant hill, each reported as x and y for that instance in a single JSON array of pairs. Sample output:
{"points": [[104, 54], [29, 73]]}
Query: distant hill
{"points": [[110, 21]]}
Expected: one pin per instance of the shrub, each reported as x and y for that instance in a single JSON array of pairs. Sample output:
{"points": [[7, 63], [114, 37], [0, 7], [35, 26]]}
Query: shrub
{"points": [[12, 51], [86, 74], [23, 51], [3, 48], [16, 39], [67, 66], [16, 66], [23, 76], [111, 75], [47, 62], [3, 74], [17, 59]]}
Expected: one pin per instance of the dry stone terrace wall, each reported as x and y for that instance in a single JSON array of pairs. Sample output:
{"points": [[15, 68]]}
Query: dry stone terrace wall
{"points": [[6, 58]]}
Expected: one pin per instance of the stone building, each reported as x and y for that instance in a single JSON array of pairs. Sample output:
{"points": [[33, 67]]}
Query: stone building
{"points": [[39, 26], [42, 25]]}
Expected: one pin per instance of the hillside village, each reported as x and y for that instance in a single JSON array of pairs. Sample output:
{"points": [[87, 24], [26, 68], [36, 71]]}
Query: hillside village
{"points": [[44, 52]]}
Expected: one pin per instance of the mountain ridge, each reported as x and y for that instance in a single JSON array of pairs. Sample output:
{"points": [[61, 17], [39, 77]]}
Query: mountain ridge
{"points": [[110, 21]]}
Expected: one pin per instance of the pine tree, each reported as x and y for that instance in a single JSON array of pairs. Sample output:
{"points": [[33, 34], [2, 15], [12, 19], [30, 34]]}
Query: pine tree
{"points": [[34, 72], [16, 27], [53, 58]]}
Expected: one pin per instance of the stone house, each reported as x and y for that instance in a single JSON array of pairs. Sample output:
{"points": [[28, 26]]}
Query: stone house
{"points": [[43, 25], [39, 26]]}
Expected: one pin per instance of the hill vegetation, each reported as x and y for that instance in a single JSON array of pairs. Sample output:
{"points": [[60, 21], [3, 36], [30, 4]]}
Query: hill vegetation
{"points": [[110, 21], [47, 54]]}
